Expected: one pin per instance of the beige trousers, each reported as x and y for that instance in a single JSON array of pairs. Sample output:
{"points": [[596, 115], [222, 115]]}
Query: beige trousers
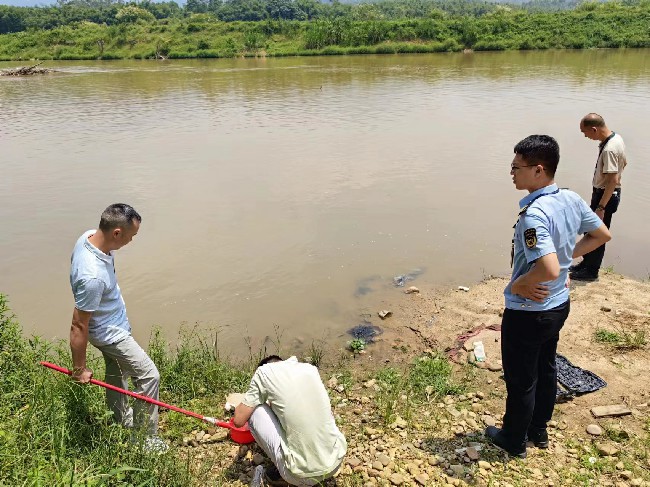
{"points": [[126, 359]]}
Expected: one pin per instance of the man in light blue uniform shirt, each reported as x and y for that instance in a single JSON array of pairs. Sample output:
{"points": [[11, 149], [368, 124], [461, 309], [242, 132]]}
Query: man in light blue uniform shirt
{"points": [[537, 297], [99, 317]]}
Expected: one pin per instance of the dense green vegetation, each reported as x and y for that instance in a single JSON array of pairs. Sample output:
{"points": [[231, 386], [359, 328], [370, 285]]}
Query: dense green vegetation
{"points": [[56, 432], [136, 34], [17, 19]]}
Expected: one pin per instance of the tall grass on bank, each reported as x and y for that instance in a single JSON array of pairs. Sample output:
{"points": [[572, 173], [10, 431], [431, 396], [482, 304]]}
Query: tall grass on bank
{"points": [[590, 25], [428, 378], [56, 432]]}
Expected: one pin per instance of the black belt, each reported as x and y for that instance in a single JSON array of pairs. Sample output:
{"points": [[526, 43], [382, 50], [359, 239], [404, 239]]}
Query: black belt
{"points": [[616, 191]]}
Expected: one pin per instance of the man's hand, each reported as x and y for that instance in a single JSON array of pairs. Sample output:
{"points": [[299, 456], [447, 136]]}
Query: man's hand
{"points": [[611, 181], [82, 375], [242, 414], [533, 291], [592, 241], [529, 285], [78, 345]]}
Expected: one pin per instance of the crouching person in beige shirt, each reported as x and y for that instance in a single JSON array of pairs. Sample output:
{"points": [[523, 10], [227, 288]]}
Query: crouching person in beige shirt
{"points": [[289, 414]]}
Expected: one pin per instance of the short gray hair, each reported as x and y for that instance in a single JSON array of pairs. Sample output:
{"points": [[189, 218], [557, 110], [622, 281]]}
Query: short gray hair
{"points": [[593, 120], [118, 215]]}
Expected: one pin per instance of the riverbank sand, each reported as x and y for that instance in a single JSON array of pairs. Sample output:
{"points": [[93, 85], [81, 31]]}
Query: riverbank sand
{"points": [[615, 304]]}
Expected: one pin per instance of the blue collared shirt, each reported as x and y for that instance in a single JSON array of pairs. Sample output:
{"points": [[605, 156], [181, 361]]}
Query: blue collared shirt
{"points": [[550, 224], [95, 290]]}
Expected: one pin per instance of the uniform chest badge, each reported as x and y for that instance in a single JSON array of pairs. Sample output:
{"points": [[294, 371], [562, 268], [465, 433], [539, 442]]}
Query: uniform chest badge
{"points": [[530, 237]]}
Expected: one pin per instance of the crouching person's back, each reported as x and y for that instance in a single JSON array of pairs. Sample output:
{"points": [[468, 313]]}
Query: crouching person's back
{"points": [[289, 414]]}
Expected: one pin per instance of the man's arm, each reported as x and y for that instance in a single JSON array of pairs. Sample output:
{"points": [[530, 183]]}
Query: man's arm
{"points": [[242, 414], [529, 285], [255, 396], [592, 240], [78, 345], [611, 181]]}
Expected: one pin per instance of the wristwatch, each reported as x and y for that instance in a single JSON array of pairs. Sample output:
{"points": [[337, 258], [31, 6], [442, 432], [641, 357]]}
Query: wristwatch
{"points": [[600, 207]]}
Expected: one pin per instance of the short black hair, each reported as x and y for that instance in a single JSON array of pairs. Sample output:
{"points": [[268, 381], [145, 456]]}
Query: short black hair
{"points": [[540, 149], [269, 359], [118, 215]]}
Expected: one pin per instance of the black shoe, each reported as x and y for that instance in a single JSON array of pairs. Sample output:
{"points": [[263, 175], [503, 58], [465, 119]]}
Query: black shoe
{"points": [[579, 266], [584, 275], [272, 477], [539, 438], [495, 435]]}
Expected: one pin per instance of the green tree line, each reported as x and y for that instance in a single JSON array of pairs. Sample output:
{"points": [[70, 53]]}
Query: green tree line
{"points": [[136, 33], [18, 19]]}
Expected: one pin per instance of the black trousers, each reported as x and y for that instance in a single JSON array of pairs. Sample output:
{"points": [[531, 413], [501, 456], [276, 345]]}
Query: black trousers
{"points": [[594, 259], [528, 346]]}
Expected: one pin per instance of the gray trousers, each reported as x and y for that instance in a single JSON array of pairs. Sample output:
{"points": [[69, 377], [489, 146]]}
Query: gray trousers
{"points": [[126, 359], [265, 427]]}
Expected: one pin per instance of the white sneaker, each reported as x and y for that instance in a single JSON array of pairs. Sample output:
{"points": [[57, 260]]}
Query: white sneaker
{"points": [[155, 444], [258, 477]]}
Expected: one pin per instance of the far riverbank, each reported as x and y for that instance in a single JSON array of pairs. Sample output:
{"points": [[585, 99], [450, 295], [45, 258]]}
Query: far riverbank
{"points": [[607, 25]]}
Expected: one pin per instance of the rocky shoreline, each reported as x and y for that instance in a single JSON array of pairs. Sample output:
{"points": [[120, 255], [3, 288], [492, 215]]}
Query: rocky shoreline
{"points": [[396, 440]]}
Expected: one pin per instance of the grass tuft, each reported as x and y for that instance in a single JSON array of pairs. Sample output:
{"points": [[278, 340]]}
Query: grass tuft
{"points": [[315, 353], [622, 339], [605, 336]]}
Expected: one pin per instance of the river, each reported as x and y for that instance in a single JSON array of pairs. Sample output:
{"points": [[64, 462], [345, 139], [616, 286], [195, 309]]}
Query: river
{"points": [[287, 193]]}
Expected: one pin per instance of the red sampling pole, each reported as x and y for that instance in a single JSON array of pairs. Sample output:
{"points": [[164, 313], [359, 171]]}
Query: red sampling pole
{"points": [[63, 370]]}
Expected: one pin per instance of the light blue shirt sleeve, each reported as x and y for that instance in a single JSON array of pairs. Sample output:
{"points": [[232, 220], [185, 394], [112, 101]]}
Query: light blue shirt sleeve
{"points": [[88, 294], [590, 220], [536, 238]]}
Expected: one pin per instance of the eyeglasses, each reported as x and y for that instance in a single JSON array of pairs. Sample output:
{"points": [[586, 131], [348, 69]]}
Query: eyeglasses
{"points": [[515, 168]]}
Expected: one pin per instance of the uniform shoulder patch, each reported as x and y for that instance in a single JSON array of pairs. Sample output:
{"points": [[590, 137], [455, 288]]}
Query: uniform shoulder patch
{"points": [[530, 237]]}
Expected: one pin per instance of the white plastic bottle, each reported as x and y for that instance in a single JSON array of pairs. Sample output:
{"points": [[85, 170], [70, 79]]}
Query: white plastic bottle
{"points": [[479, 351]]}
